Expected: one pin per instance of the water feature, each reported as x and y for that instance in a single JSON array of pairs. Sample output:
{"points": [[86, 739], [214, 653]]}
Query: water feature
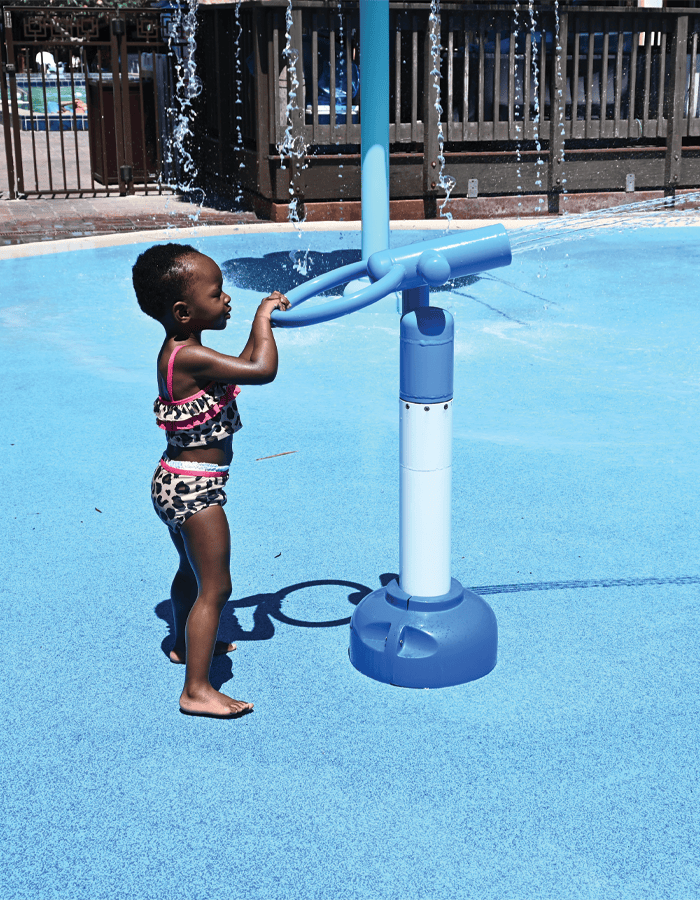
{"points": [[448, 634], [238, 103], [446, 182], [537, 44], [179, 167], [422, 629], [292, 147]]}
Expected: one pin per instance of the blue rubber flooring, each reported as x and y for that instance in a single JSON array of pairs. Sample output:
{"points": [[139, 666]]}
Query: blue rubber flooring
{"points": [[571, 771]]}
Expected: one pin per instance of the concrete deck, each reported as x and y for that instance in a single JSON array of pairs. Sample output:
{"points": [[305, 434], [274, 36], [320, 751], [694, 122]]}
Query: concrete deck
{"points": [[569, 773]]}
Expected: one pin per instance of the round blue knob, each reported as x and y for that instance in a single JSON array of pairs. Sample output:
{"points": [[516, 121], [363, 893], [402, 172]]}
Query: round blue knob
{"points": [[433, 267]]}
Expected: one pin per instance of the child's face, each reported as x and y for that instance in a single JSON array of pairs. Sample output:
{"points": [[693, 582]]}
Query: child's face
{"points": [[207, 303]]}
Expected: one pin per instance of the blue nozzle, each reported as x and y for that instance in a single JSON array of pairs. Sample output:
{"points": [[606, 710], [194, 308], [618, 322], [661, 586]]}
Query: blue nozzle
{"points": [[435, 262]]}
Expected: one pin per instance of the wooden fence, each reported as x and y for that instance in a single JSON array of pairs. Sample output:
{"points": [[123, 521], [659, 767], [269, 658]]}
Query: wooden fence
{"points": [[571, 98]]}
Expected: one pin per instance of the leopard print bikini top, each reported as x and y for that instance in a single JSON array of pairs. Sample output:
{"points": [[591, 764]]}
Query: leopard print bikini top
{"points": [[200, 420]]}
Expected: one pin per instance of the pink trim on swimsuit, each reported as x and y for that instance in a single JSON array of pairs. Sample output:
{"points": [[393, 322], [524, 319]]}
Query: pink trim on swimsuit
{"points": [[200, 418], [198, 473], [171, 365], [193, 397]]}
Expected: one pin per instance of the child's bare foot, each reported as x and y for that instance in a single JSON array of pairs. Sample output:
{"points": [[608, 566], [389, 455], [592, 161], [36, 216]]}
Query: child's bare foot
{"points": [[179, 655], [213, 704]]}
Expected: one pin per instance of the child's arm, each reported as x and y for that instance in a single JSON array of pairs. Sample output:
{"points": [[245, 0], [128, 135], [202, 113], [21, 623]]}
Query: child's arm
{"points": [[250, 344], [257, 364], [248, 349]]}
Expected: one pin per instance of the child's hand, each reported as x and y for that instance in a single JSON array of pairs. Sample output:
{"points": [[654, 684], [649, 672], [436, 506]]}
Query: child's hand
{"points": [[276, 300]]}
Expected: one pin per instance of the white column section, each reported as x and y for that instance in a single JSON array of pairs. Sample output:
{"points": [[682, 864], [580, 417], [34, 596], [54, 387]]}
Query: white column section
{"points": [[425, 487]]}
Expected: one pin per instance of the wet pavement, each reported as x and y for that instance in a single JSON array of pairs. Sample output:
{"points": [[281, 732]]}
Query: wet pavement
{"points": [[53, 163], [29, 221]]}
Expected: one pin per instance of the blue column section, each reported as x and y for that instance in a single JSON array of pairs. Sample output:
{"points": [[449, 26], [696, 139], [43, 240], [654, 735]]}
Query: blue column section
{"points": [[415, 297], [425, 451], [427, 356], [374, 124]]}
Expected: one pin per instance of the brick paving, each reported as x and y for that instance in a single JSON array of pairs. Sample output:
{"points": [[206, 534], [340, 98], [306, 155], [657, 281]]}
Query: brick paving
{"points": [[52, 216], [27, 221]]}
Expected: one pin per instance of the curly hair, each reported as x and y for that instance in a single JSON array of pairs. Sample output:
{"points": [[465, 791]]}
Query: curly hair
{"points": [[160, 277]]}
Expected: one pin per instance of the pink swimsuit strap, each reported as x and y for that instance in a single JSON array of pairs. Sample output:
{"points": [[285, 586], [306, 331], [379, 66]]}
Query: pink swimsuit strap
{"points": [[171, 364]]}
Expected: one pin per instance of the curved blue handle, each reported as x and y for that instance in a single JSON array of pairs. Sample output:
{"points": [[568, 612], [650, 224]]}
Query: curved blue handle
{"points": [[343, 305], [325, 282], [426, 262]]}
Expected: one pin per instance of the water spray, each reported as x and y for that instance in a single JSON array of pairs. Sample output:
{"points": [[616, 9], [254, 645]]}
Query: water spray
{"points": [[446, 182], [238, 103], [292, 147], [536, 83], [182, 46]]}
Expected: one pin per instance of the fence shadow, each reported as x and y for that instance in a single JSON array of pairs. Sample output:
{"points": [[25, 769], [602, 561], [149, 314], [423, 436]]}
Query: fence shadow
{"points": [[589, 583]]}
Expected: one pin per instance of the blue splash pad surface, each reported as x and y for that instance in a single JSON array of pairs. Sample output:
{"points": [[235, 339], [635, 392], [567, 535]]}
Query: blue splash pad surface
{"points": [[569, 772]]}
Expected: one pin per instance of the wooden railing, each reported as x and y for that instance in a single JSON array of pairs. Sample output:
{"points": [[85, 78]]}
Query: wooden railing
{"points": [[575, 98]]}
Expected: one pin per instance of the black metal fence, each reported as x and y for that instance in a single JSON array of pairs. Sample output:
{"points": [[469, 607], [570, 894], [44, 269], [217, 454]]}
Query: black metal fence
{"points": [[536, 98], [88, 99]]}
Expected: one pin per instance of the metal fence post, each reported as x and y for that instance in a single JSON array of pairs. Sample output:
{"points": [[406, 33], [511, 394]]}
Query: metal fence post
{"points": [[9, 59], [6, 129], [676, 104], [126, 172], [117, 30]]}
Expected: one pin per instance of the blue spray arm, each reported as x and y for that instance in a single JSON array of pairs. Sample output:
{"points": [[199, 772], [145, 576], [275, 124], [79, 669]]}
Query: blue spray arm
{"points": [[426, 262], [435, 262]]}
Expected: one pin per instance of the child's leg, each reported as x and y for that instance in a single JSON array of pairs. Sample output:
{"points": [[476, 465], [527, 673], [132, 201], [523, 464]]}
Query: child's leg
{"points": [[208, 544], [183, 593]]}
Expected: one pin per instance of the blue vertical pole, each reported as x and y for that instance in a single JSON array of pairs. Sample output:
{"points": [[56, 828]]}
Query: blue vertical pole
{"points": [[414, 298], [374, 113]]}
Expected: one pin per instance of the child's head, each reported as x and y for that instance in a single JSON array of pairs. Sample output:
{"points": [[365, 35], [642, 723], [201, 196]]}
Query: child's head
{"points": [[160, 277]]}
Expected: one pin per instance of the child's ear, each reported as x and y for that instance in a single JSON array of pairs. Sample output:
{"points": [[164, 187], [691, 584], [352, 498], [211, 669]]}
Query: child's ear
{"points": [[180, 311]]}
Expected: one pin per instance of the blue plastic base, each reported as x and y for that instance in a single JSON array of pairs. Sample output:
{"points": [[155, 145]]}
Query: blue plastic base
{"points": [[423, 642]]}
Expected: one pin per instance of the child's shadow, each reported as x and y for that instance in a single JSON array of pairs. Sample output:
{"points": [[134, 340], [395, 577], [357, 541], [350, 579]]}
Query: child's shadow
{"points": [[267, 608]]}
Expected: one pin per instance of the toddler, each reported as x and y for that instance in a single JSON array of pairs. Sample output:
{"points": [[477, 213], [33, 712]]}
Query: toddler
{"points": [[196, 407]]}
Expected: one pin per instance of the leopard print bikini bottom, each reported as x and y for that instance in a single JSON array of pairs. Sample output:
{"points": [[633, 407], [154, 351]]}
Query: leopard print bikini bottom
{"points": [[181, 489]]}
